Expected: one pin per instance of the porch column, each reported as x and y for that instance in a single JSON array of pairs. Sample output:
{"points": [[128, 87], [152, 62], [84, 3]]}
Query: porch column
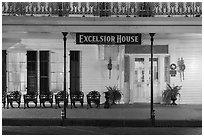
{"points": [[152, 115], [65, 102]]}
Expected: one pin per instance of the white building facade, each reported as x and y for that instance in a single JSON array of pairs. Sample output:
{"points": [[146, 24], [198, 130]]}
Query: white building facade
{"points": [[32, 49]]}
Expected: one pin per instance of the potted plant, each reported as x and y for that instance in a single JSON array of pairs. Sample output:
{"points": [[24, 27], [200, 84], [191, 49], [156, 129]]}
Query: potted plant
{"points": [[115, 94], [171, 94]]}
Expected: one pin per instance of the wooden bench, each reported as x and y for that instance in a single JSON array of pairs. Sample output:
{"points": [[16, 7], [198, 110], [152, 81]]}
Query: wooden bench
{"points": [[46, 97], [14, 96], [31, 97], [59, 97], [77, 97], [93, 96]]}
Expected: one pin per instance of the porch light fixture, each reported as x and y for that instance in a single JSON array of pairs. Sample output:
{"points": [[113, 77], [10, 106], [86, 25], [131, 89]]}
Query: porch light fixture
{"points": [[110, 66]]}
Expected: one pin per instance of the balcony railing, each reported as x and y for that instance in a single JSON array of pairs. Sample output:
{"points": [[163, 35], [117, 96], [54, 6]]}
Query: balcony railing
{"points": [[103, 9]]}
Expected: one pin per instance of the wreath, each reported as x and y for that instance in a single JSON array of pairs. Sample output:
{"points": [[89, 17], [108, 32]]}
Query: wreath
{"points": [[173, 66]]}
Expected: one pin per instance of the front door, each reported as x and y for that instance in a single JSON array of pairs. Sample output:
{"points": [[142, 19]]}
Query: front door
{"points": [[141, 78]]}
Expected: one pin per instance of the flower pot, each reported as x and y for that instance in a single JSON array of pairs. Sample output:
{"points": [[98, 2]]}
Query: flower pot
{"points": [[173, 101], [107, 102]]}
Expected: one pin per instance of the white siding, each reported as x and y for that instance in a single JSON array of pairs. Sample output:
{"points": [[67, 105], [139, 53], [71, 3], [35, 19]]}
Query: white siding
{"points": [[191, 51], [189, 47], [95, 75]]}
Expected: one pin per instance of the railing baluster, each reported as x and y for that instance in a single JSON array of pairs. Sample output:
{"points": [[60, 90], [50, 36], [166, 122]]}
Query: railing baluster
{"points": [[198, 9], [10, 8], [88, 9], [91, 8], [66, 8]]}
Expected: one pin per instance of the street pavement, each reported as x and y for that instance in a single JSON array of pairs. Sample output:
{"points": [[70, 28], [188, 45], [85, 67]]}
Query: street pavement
{"points": [[91, 130]]}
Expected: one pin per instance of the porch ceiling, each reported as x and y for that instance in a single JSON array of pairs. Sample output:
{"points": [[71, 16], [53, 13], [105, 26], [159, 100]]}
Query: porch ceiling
{"points": [[118, 25], [16, 28]]}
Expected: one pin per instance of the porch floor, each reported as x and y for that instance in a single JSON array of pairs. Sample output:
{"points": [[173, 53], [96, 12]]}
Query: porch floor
{"points": [[138, 111]]}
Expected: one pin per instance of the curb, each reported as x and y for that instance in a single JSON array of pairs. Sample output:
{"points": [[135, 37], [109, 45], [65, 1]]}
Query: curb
{"points": [[99, 122]]}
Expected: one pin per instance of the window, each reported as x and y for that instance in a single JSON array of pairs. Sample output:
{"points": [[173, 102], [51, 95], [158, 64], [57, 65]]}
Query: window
{"points": [[44, 72], [4, 71], [17, 71], [31, 71]]}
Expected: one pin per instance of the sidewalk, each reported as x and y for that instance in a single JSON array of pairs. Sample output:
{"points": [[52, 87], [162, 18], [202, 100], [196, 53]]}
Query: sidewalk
{"points": [[117, 115]]}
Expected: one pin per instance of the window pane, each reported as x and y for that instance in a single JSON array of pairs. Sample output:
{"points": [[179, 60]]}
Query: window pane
{"points": [[44, 68], [155, 68], [139, 69]]}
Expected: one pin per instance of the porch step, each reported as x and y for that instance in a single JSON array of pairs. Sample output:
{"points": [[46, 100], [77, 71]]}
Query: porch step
{"points": [[99, 122]]}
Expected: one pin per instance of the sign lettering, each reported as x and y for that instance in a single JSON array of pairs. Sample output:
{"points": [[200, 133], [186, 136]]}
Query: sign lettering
{"points": [[108, 38]]}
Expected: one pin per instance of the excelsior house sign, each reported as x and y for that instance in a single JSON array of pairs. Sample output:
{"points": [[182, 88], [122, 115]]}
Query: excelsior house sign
{"points": [[108, 38]]}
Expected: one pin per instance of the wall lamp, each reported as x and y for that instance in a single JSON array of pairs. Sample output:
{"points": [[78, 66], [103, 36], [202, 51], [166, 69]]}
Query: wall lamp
{"points": [[110, 66]]}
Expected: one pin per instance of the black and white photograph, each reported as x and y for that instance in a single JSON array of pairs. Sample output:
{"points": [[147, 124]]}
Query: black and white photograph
{"points": [[101, 68]]}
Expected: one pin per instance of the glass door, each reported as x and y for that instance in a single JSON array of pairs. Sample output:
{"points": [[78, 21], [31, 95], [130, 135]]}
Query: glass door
{"points": [[155, 78], [139, 81], [142, 78]]}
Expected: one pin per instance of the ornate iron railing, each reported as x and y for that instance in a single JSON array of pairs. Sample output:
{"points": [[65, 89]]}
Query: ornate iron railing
{"points": [[103, 9]]}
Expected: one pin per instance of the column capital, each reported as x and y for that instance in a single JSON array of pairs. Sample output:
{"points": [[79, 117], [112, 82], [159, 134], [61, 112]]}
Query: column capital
{"points": [[64, 34], [151, 34]]}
